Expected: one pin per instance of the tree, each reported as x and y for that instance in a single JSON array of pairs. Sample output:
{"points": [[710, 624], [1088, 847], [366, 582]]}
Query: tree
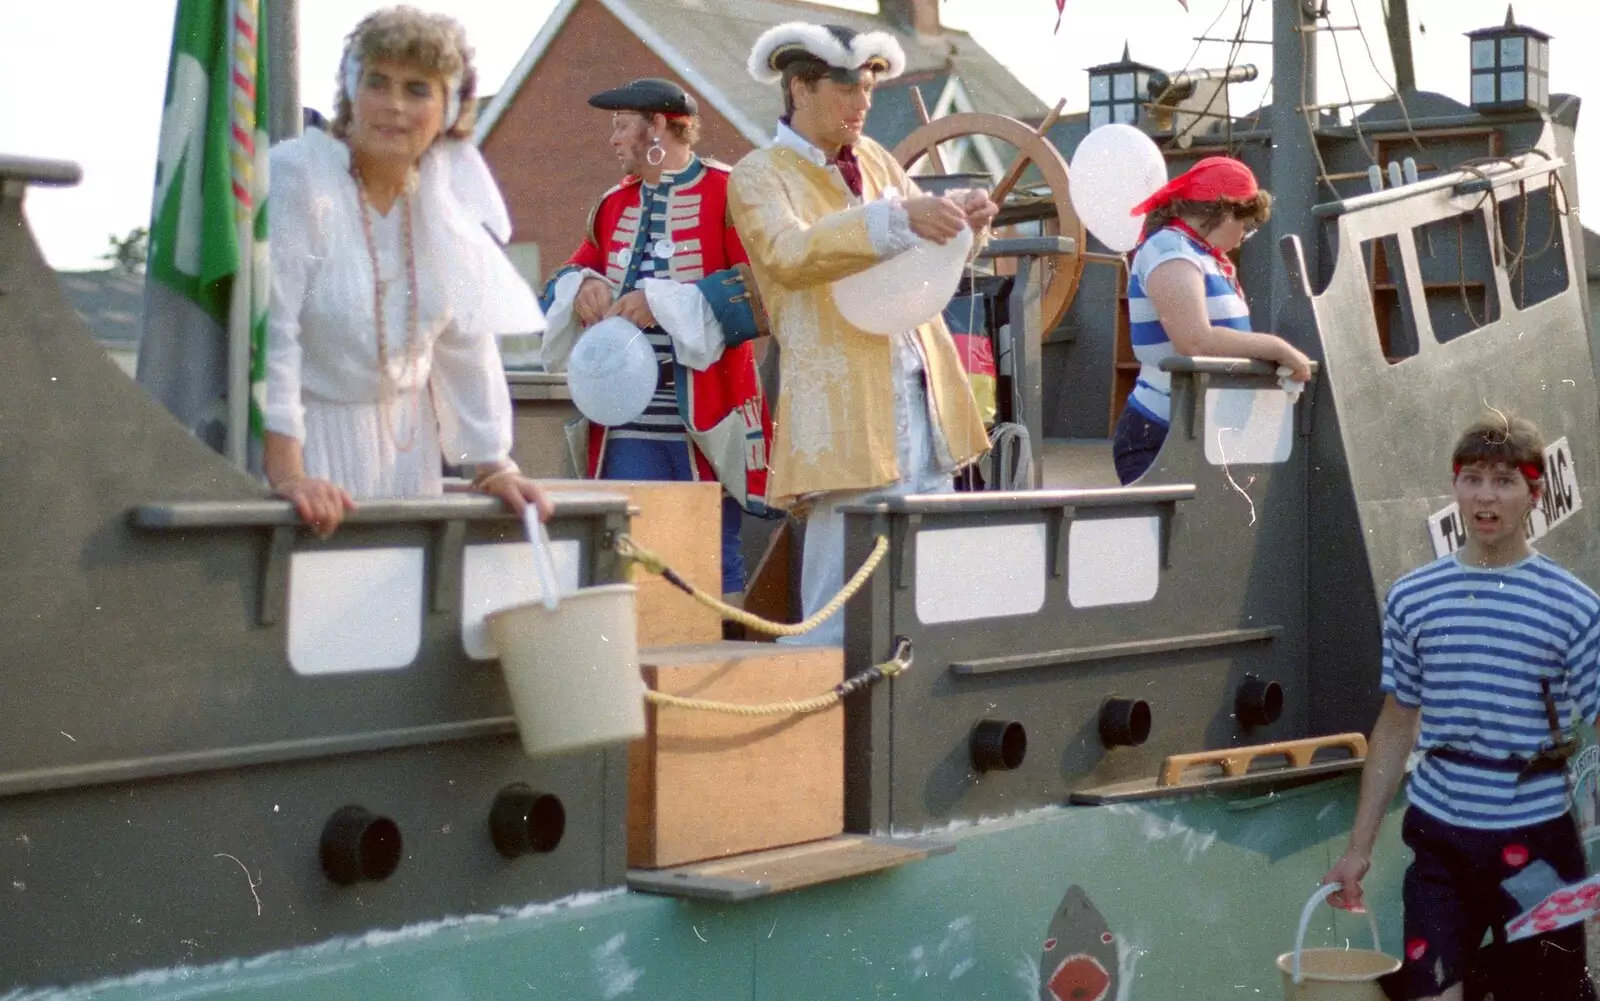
{"points": [[129, 252]]}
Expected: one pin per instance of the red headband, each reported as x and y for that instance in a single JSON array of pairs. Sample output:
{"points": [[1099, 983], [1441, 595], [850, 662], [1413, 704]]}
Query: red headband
{"points": [[1212, 178], [1530, 472]]}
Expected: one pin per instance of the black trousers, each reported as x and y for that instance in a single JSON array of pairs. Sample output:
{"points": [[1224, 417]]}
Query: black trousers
{"points": [[1454, 895]]}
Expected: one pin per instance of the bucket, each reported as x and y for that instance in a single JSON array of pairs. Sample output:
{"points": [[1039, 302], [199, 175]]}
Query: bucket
{"points": [[573, 672], [1333, 974]]}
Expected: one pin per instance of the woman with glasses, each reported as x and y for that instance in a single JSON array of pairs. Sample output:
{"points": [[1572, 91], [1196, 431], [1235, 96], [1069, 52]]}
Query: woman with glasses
{"points": [[1184, 297]]}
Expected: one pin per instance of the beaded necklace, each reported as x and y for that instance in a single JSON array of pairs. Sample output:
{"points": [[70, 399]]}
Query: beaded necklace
{"points": [[388, 386]]}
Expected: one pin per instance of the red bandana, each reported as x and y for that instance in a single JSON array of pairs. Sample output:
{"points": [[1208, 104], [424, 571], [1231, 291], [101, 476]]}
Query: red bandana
{"points": [[1222, 259], [1213, 178], [1530, 472]]}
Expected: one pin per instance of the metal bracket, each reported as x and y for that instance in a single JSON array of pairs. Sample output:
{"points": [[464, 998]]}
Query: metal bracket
{"points": [[905, 563], [275, 575], [1170, 530], [1058, 526], [450, 542]]}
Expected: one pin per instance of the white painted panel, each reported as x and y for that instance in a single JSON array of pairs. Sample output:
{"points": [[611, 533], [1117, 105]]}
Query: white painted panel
{"points": [[1248, 426], [1113, 561], [986, 572], [354, 610], [499, 575]]}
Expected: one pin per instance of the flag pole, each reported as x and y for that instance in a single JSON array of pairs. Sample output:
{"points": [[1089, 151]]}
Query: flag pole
{"points": [[244, 23]]}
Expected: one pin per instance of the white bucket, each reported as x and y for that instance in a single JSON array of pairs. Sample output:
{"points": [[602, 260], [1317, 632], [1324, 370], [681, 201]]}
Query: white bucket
{"points": [[1333, 974], [573, 672]]}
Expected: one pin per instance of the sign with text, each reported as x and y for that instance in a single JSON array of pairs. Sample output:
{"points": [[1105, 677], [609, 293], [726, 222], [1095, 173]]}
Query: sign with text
{"points": [[1559, 501]]}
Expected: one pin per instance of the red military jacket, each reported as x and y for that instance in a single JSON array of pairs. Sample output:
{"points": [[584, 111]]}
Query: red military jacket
{"points": [[722, 407]]}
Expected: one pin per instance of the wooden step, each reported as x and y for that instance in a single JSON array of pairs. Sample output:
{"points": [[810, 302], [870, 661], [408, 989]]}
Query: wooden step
{"points": [[761, 874]]}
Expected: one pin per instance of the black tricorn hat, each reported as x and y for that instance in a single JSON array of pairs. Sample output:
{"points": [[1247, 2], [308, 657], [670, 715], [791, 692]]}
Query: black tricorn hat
{"points": [[650, 95]]}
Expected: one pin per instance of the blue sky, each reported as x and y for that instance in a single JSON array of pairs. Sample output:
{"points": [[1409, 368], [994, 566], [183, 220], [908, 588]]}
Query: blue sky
{"points": [[83, 80]]}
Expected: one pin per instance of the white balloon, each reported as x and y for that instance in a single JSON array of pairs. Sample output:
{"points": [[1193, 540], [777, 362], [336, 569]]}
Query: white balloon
{"points": [[907, 290], [612, 372], [1115, 168]]}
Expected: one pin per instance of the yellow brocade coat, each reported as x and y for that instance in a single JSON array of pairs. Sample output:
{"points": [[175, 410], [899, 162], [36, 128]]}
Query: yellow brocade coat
{"points": [[834, 428]]}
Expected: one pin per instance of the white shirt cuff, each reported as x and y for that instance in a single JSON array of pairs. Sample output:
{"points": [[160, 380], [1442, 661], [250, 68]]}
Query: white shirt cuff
{"points": [[889, 228], [562, 326], [683, 313]]}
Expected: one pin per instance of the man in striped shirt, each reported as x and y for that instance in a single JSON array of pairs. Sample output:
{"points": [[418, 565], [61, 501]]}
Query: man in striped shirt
{"points": [[1477, 646]]}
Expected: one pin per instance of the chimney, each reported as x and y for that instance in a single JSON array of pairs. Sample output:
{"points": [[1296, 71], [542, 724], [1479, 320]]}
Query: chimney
{"points": [[915, 17]]}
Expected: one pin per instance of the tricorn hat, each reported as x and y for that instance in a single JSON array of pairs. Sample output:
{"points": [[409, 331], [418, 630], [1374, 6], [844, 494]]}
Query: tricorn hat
{"points": [[845, 51], [650, 96]]}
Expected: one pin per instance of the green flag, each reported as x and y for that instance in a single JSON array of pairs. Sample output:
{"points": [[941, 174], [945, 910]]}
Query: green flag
{"points": [[212, 139]]}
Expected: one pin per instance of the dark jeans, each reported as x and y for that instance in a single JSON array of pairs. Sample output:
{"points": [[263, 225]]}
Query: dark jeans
{"points": [[1135, 443], [1454, 893], [639, 459]]}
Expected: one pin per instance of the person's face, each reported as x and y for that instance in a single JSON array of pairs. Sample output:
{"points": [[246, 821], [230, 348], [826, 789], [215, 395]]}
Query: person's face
{"points": [[631, 140], [835, 113], [1494, 499], [398, 112]]}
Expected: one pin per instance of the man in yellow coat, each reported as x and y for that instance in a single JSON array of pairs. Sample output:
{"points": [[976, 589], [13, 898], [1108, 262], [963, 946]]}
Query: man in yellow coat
{"points": [[858, 413]]}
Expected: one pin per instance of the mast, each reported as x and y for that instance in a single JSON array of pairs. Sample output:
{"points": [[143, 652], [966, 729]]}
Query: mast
{"points": [[283, 68], [1294, 173], [1397, 22]]}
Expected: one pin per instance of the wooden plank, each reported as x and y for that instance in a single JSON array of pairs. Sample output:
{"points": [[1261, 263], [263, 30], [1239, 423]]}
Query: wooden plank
{"points": [[707, 785], [1147, 787], [769, 589], [681, 522], [1237, 761], [778, 871]]}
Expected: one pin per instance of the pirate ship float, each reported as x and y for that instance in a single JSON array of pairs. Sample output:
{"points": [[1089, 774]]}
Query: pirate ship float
{"points": [[240, 761]]}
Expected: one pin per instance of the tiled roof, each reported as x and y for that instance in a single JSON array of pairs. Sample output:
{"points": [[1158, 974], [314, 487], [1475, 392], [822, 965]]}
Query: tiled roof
{"points": [[706, 43]]}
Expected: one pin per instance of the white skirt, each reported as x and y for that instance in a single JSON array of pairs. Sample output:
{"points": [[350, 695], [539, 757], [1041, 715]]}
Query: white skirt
{"points": [[351, 444]]}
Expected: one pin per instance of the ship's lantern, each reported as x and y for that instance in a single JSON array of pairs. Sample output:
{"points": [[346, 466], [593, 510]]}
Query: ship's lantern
{"points": [[1117, 91], [1510, 67]]}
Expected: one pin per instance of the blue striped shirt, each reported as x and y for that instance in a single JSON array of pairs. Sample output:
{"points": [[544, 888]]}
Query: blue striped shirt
{"points": [[1152, 394], [1469, 646]]}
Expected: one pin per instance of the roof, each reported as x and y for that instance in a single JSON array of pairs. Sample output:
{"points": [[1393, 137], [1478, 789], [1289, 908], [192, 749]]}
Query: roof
{"points": [[111, 302], [705, 42]]}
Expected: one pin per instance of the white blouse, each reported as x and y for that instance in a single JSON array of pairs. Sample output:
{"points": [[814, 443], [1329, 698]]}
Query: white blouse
{"points": [[322, 338]]}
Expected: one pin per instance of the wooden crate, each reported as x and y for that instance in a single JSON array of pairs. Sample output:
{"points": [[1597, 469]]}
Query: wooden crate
{"points": [[683, 523], [705, 785]]}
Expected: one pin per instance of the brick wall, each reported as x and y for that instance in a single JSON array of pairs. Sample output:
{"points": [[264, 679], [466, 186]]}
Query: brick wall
{"points": [[550, 152]]}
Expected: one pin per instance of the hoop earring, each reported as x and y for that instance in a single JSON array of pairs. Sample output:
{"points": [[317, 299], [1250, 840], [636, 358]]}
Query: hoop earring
{"points": [[656, 153]]}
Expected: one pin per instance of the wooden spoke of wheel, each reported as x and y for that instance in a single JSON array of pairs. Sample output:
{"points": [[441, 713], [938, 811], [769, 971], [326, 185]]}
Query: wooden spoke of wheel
{"points": [[1061, 274]]}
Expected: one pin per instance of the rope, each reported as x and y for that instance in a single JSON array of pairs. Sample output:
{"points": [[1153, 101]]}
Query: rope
{"points": [[633, 552], [897, 664], [1014, 454]]}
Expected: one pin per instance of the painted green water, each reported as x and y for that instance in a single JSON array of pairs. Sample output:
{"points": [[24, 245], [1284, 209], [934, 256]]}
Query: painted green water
{"points": [[1202, 895]]}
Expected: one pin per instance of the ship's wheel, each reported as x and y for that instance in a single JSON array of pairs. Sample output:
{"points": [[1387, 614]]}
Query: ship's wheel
{"points": [[1053, 206]]}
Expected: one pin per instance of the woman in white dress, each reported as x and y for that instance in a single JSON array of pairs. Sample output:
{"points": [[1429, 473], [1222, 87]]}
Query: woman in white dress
{"points": [[388, 290]]}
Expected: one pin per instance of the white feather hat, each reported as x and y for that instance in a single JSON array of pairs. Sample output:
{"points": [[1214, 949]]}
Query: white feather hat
{"points": [[840, 47]]}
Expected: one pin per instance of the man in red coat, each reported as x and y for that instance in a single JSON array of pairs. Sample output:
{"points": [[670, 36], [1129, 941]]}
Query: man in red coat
{"points": [[661, 253]]}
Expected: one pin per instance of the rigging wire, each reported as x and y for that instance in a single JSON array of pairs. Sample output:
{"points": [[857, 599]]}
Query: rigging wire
{"points": [[1236, 45], [1349, 94], [1307, 113], [1399, 99]]}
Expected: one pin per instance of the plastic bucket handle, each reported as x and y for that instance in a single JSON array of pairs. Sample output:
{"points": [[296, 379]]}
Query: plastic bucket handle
{"points": [[544, 566], [1322, 894]]}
